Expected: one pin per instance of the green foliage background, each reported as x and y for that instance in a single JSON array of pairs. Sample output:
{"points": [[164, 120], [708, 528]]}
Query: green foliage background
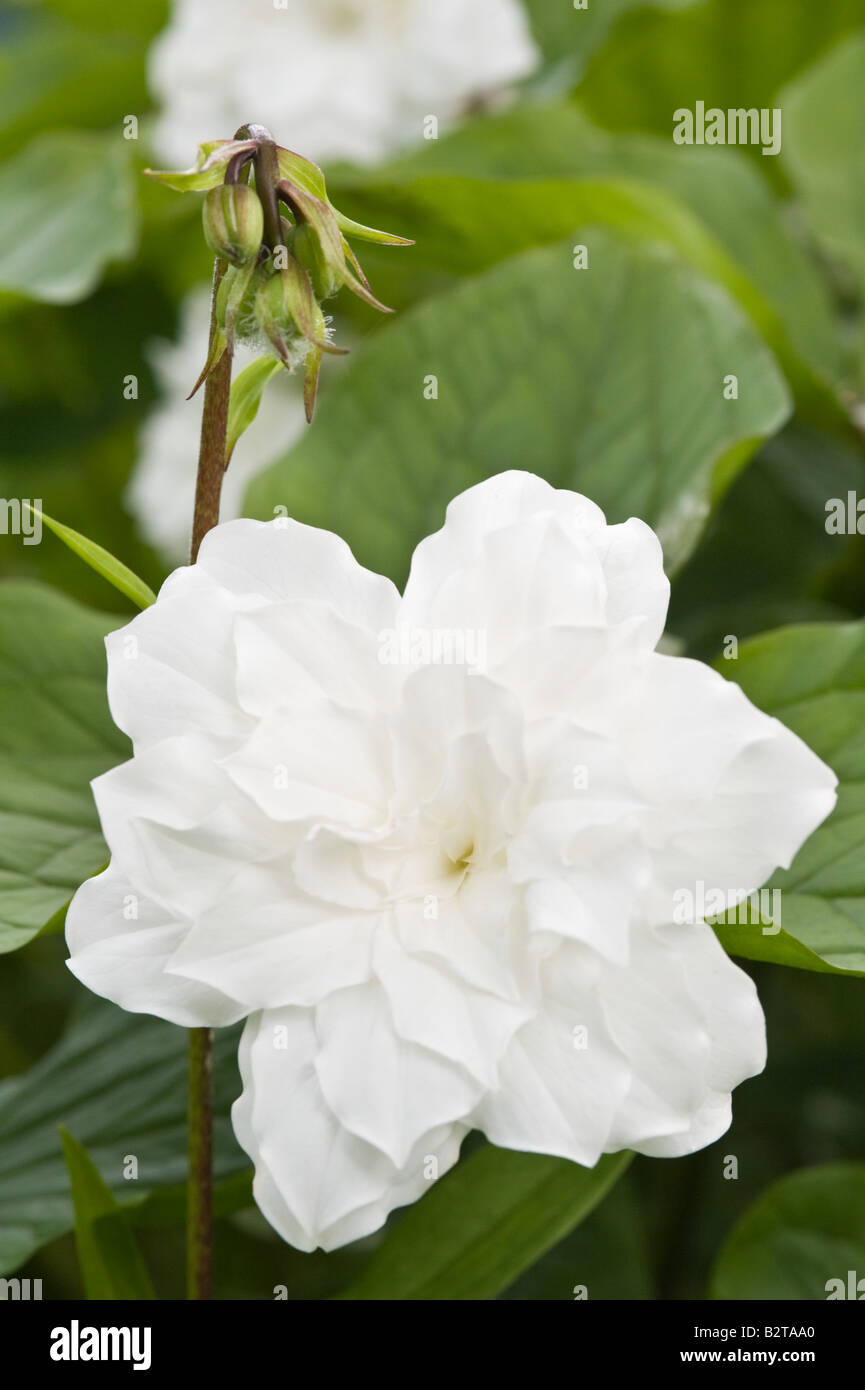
{"points": [[703, 262]]}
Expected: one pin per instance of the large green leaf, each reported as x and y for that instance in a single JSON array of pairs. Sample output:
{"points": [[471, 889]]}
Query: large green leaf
{"points": [[725, 190], [805, 1230], [607, 380], [117, 1081], [110, 1261], [84, 64], [824, 150], [483, 1224], [67, 208], [812, 678], [55, 735], [470, 223]]}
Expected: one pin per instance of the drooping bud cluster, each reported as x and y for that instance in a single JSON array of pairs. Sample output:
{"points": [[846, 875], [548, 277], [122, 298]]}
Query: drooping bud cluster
{"points": [[285, 250]]}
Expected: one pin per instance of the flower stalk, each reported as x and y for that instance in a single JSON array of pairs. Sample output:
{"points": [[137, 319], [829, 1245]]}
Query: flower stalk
{"points": [[208, 490], [258, 280]]}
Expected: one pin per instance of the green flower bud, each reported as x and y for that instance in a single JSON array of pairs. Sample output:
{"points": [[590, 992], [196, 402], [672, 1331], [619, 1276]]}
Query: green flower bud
{"points": [[307, 248], [233, 222], [275, 318]]}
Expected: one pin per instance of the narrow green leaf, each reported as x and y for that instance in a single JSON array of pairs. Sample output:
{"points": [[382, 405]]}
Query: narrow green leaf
{"points": [[246, 392], [111, 1263], [100, 560], [357, 229], [483, 1224]]}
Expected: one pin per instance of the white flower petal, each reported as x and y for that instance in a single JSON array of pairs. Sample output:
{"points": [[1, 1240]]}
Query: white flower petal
{"points": [[414, 1090], [431, 1007], [477, 934], [323, 764], [121, 943], [291, 950], [307, 652], [516, 555], [690, 1023], [732, 792], [178, 825], [171, 667], [259, 563], [563, 1078], [316, 1183]]}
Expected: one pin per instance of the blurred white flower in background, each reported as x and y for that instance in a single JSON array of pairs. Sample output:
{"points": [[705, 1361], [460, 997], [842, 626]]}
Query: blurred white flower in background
{"points": [[161, 491], [333, 79], [443, 897]]}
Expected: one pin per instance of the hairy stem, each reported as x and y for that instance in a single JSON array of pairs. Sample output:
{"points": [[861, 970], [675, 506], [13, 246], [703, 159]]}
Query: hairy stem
{"points": [[214, 427], [199, 1236], [208, 488]]}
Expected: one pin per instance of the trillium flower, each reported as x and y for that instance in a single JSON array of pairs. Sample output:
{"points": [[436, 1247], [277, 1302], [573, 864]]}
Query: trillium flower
{"points": [[429, 847]]}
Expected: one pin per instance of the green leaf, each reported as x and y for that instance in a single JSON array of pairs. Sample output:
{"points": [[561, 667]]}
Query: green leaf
{"points": [[483, 1224], [747, 577], [802, 1232], [727, 53], [469, 224], [67, 208], [812, 678], [101, 561], [357, 229], [76, 65], [824, 150], [110, 1261], [546, 368], [56, 734], [118, 1081], [562, 31], [246, 392], [720, 186]]}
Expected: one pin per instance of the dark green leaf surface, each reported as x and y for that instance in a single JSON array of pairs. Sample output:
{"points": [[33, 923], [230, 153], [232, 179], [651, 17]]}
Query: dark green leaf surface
{"points": [[483, 1224], [56, 734], [802, 1232], [118, 1082]]}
